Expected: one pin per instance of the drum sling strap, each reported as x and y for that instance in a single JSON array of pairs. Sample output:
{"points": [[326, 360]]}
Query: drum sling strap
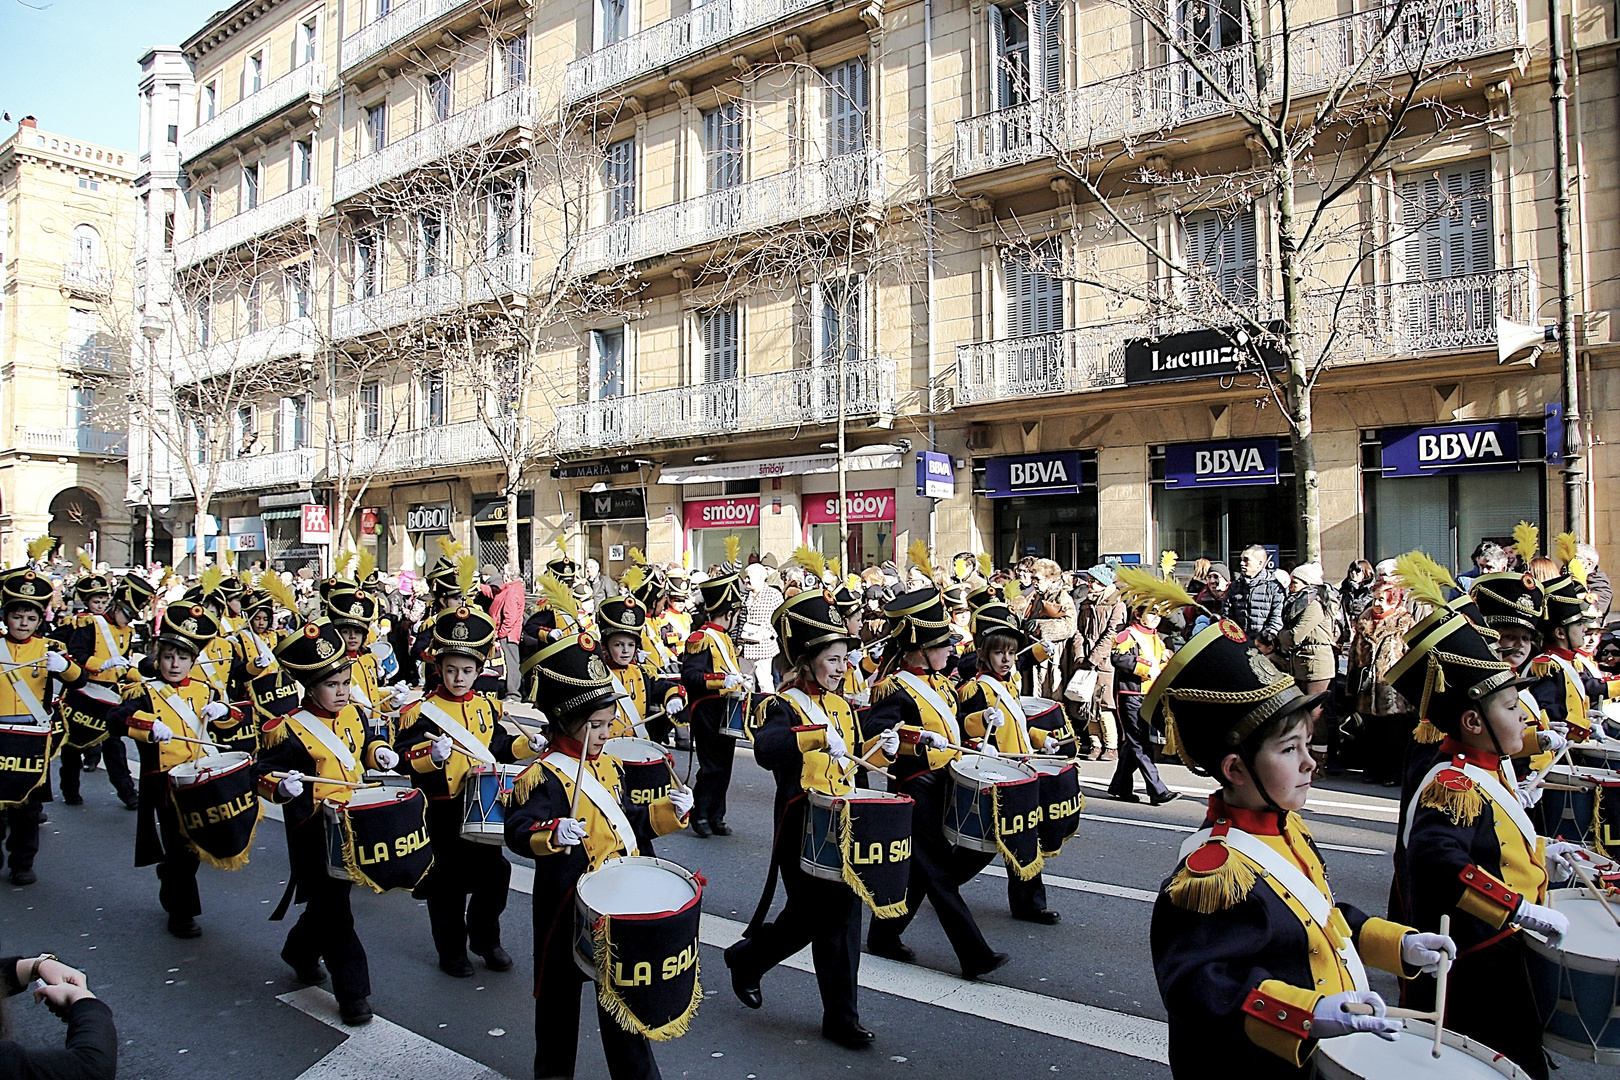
{"points": [[924, 692], [188, 716], [628, 704], [1287, 877], [328, 739], [1010, 706], [465, 740], [24, 692], [729, 664], [600, 796], [107, 639]]}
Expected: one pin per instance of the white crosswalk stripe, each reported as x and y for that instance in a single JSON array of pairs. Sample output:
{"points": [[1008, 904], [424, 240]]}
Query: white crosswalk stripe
{"points": [[380, 1050]]}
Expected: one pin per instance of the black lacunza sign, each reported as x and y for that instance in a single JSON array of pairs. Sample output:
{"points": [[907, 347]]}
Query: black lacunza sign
{"points": [[1199, 353]]}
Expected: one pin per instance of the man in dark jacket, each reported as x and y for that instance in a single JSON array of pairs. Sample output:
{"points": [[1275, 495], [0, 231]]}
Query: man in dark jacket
{"points": [[1255, 600], [1101, 615]]}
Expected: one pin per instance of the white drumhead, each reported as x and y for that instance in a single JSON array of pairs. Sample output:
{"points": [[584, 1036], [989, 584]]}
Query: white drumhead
{"points": [[1364, 1056], [500, 768], [635, 886], [188, 772], [1593, 938], [1033, 705], [635, 751], [367, 796], [1050, 768], [1585, 776], [986, 770]]}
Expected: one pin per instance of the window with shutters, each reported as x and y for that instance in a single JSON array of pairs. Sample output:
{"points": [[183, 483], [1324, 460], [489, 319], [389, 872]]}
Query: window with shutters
{"points": [[205, 209], [718, 329], [1027, 50], [208, 104], [1034, 293], [430, 245], [243, 433], [255, 307], [513, 55], [308, 42], [82, 406], [303, 162], [434, 410], [608, 375], [845, 93], [1447, 220], [376, 127], [438, 97], [250, 185], [292, 431], [619, 179], [838, 308], [253, 74], [1206, 27], [614, 16], [1223, 256], [366, 264], [723, 146], [503, 220], [298, 291], [371, 409]]}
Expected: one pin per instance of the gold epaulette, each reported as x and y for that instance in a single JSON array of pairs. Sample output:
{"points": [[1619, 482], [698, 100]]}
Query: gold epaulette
{"points": [[1541, 667], [524, 785], [696, 643], [1212, 879], [1455, 795], [1427, 734], [132, 691], [273, 732], [885, 688]]}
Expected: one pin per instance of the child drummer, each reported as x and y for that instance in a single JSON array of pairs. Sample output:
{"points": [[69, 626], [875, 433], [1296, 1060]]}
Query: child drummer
{"points": [[168, 716], [27, 666], [712, 675], [354, 613], [1567, 691], [1254, 959], [621, 622], [994, 720], [808, 737], [569, 833], [326, 739], [443, 737], [101, 644], [1467, 849]]}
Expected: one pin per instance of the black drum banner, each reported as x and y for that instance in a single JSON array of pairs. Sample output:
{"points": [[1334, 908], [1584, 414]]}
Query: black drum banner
{"points": [[1061, 804], [874, 839], [647, 970], [25, 761], [1018, 821], [219, 818], [385, 845]]}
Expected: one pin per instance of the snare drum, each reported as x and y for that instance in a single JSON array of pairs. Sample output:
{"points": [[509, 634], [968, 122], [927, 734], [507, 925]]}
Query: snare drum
{"points": [[379, 838], [979, 787], [483, 816], [877, 862], [636, 923], [84, 713], [25, 761], [648, 769], [1578, 981], [734, 724], [1572, 815], [1061, 803], [1365, 1056], [1596, 755], [217, 807]]}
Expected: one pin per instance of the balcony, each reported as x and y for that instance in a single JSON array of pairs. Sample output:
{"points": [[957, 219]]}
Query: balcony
{"points": [[66, 441], [278, 213], [438, 295], [1369, 323], [284, 468], [87, 280], [781, 399], [1137, 104], [706, 26], [395, 28], [801, 192], [299, 84], [488, 120], [86, 356], [428, 448], [296, 338]]}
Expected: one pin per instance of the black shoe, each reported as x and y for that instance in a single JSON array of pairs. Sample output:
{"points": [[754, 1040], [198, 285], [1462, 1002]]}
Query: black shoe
{"points": [[44, 818], [996, 960], [311, 974], [184, 927], [1044, 916], [497, 959], [1168, 796], [1128, 796], [73, 800], [719, 828], [91, 766], [23, 877], [458, 967], [747, 990], [891, 950], [130, 802], [354, 1013], [851, 1036], [700, 828]]}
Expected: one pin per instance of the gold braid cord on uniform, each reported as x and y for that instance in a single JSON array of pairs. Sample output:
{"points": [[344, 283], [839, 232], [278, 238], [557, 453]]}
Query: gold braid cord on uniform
{"points": [[615, 1006], [1025, 871], [846, 840], [235, 862]]}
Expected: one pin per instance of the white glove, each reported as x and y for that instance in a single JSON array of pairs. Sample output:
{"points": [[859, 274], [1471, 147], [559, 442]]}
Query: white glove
{"points": [[215, 710], [386, 757], [55, 663], [642, 656], [1051, 745], [1330, 1019], [932, 740], [681, 799], [537, 742], [988, 749], [1550, 924], [837, 748], [1423, 951], [568, 832], [860, 700], [556, 635], [117, 663], [161, 732], [875, 649], [1529, 796], [400, 687], [889, 742], [674, 706], [291, 786], [993, 718], [1561, 858], [1560, 726], [442, 748], [1551, 742], [733, 680], [264, 660]]}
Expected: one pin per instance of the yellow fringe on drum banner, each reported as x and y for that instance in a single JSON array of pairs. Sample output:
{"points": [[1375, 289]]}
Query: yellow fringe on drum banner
{"points": [[615, 1006], [235, 862], [1024, 872], [1462, 807], [352, 864], [846, 837], [1427, 734], [1215, 891], [24, 800]]}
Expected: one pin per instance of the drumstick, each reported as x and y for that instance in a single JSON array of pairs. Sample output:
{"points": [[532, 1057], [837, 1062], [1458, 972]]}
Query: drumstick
{"points": [[579, 776], [1358, 1009], [1440, 981], [324, 780], [866, 760], [1591, 887], [189, 739]]}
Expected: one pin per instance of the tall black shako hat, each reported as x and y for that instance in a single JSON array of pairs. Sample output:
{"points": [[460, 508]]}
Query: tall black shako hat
{"points": [[918, 620], [723, 591], [808, 622], [347, 606], [313, 654], [466, 630], [133, 593], [1510, 600], [621, 615], [994, 617], [1448, 668], [27, 588], [569, 677], [1567, 601], [90, 585], [188, 625]]}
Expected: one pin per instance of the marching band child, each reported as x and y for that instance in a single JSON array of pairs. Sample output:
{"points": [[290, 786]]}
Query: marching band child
{"points": [[711, 672], [568, 835], [101, 645], [621, 622], [1138, 656], [1567, 691], [354, 612]]}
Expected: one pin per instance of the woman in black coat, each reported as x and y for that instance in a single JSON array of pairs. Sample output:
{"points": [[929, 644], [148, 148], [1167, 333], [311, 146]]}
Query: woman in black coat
{"points": [[91, 1052]]}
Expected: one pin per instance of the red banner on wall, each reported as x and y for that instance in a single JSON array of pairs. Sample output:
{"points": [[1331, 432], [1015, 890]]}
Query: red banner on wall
{"points": [[863, 506]]}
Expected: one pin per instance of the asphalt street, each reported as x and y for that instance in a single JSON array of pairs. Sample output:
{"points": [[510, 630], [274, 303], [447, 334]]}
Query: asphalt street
{"points": [[1077, 999]]}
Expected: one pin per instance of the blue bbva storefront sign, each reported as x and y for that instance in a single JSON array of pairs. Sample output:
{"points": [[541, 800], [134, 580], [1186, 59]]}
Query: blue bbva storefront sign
{"points": [[1033, 474], [1236, 463], [1450, 448]]}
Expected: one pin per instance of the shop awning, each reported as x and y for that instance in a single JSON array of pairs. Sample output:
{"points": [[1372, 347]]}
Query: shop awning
{"points": [[874, 457]]}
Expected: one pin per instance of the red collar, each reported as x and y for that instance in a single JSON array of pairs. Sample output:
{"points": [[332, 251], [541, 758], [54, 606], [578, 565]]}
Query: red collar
{"points": [[355, 655], [1563, 654], [569, 747], [712, 625], [924, 672], [1253, 822], [316, 710], [446, 695], [183, 682], [1461, 753]]}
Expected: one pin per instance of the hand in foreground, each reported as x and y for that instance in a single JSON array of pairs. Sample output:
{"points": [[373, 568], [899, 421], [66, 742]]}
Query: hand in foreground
{"points": [[1331, 1020]]}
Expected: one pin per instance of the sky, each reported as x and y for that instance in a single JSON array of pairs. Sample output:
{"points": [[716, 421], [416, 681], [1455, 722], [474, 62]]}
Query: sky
{"points": [[75, 64]]}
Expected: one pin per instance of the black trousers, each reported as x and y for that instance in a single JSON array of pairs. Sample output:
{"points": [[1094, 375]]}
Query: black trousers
{"points": [[937, 872], [714, 754], [462, 868], [825, 915], [325, 929], [1490, 997], [1135, 750], [1025, 897], [19, 826], [177, 870], [113, 752], [556, 1005]]}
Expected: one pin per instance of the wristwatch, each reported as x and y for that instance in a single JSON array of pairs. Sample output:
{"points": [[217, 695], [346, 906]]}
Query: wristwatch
{"points": [[33, 972]]}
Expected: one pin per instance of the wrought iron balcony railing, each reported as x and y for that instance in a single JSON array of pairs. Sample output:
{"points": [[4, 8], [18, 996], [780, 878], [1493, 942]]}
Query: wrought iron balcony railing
{"points": [[299, 83], [268, 217], [394, 28], [86, 356], [72, 440], [467, 443], [437, 295], [281, 468], [86, 279], [295, 338]]}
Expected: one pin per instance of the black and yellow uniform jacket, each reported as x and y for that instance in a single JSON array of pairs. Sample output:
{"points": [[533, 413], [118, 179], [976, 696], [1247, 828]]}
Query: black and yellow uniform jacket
{"points": [[791, 741], [648, 693], [976, 695], [180, 706], [897, 703], [710, 656], [480, 715], [33, 674], [1568, 691], [290, 743], [1241, 964], [88, 646]]}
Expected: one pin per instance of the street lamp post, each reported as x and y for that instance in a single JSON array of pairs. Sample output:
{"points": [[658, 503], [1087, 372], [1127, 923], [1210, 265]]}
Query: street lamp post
{"points": [[151, 330]]}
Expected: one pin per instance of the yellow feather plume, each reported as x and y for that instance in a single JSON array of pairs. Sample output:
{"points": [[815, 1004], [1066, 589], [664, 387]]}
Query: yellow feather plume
{"points": [[1526, 540], [558, 597], [853, 584], [227, 559], [811, 559], [1440, 574], [40, 546], [272, 584], [1564, 547], [1577, 570], [637, 557], [836, 567], [560, 542], [365, 565], [634, 578], [1167, 562], [466, 573], [733, 547], [1011, 590], [686, 558], [987, 565], [449, 548], [919, 557], [1414, 575], [211, 577], [85, 563], [1143, 587]]}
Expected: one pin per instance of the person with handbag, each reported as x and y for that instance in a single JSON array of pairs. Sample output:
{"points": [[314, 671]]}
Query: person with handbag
{"points": [[1090, 691], [759, 646]]}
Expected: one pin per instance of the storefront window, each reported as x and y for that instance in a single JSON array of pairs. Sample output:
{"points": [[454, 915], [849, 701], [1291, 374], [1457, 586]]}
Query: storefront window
{"points": [[709, 521], [1212, 500], [1045, 506], [870, 516]]}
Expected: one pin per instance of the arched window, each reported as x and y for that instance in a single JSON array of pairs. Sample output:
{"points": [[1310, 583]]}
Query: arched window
{"points": [[86, 246]]}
